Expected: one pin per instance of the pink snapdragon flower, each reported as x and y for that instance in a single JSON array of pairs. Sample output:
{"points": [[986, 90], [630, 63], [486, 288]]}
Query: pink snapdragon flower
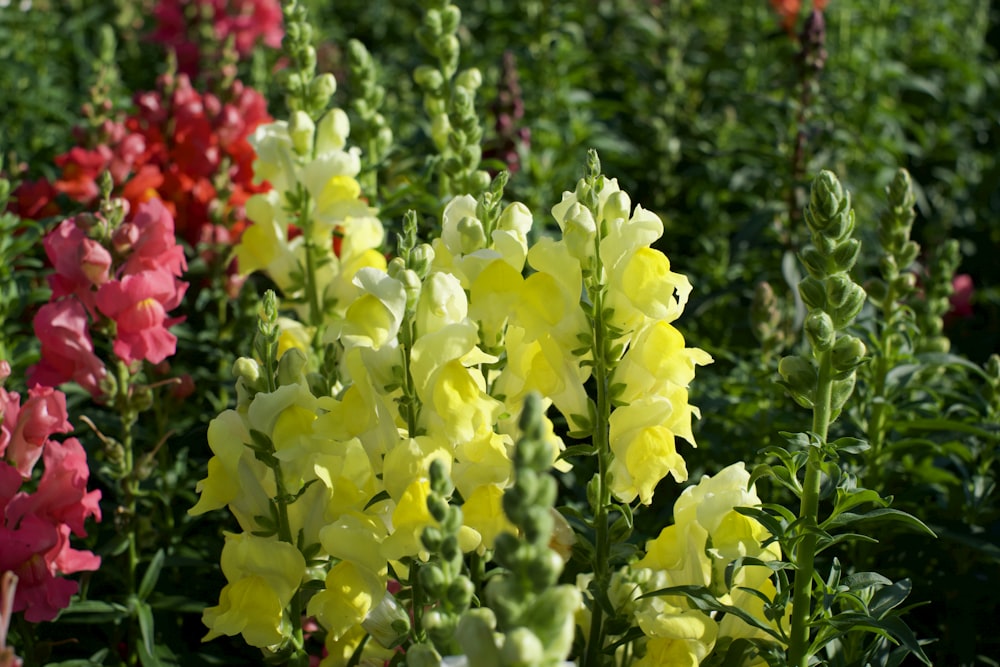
{"points": [[963, 290], [67, 350], [80, 262], [35, 527], [138, 304], [24, 429]]}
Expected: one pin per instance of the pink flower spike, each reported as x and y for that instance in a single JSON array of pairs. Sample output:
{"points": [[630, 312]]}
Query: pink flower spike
{"points": [[67, 351]]}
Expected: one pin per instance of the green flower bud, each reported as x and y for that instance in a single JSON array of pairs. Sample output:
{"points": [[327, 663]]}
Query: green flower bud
{"points": [[799, 375], [428, 78], [421, 259], [877, 291], [845, 256], [846, 312], [424, 655], [460, 592], [388, 623], [813, 293], [291, 366], [322, 88], [905, 283], [470, 79], [816, 263], [522, 647], [432, 578], [819, 330], [475, 636], [440, 129], [888, 267], [451, 16], [909, 253], [848, 354], [579, 231], [827, 201], [479, 181], [247, 370], [301, 129]]}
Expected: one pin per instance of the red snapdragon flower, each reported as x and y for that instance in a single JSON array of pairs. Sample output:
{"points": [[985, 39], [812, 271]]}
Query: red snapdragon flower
{"points": [[24, 429], [248, 22]]}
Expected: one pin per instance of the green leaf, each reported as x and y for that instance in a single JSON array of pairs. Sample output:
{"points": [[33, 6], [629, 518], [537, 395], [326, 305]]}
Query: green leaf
{"points": [[704, 600], [880, 514], [93, 611], [147, 646], [862, 580], [151, 575]]}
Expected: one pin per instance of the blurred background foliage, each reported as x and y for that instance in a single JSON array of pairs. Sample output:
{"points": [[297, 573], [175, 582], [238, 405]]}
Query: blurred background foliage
{"points": [[716, 117]]}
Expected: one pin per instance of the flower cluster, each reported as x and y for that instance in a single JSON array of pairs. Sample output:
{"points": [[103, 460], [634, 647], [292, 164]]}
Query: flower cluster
{"points": [[313, 227], [38, 517], [437, 351], [245, 22], [109, 273], [187, 148], [707, 536]]}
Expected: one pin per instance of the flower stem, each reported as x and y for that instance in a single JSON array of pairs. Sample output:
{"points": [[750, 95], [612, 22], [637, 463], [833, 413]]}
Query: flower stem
{"points": [[798, 647]]}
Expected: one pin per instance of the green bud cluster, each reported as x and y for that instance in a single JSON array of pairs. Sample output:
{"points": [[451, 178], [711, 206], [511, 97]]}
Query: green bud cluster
{"points": [[897, 284], [370, 128], [304, 89], [449, 100], [442, 579], [930, 310], [832, 297], [534, 614]]}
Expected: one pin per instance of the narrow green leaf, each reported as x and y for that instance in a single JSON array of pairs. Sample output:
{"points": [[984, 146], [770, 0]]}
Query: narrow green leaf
{"points": [[152, 575]]}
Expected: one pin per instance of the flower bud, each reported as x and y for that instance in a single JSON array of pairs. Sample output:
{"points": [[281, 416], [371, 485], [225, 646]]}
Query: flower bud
{"points": [[321, 89], [388, 623], [291, 366], [332, 131], [247, 370], [440, 129], [470, 79], [815, 262], [522, 647], [579, 231], [909, 253], [301, 130], [421, 259], [618, 206], [473, 237], [813, 293], [849, 309], [819, 330], [126, 236], [451, 16], [428, 78], [848, 354], [799, 375]]}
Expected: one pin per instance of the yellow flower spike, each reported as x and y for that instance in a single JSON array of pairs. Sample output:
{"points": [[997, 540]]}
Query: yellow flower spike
{"points": [[483, 512], [226, 435], [351, 592]]}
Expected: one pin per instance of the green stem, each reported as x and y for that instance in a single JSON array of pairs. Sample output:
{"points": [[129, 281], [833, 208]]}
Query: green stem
{"points": [[602, 546], [876, 424], [798, 645], [312, 293]]}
